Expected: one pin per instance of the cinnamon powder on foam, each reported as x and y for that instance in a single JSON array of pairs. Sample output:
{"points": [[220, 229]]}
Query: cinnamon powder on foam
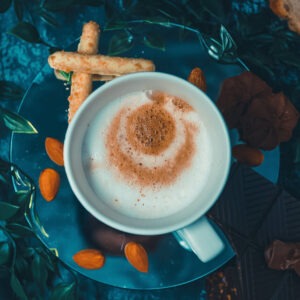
{"points": [[150, 129]]}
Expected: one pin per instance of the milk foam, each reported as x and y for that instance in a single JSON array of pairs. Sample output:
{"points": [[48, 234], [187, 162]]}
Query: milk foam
{"points": [[126, 196]]}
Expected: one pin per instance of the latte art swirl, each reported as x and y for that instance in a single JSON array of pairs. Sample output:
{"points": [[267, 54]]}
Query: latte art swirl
{"points": [[147, 154], [153, 143]]}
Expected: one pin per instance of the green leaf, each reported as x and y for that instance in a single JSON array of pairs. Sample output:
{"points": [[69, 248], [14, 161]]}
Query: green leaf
{"points": [[64, 291], [26, 32], [28, 252], [3, 179], [4, 5], [4, 253], [49, 259], [19, 230], [15, 122], [7, 210], [222, 48], [22, 266], [57, 5], [228, 43], [22, 197], [67, 76], [154, 41], [120, 42], [39, 271], [17, 287]]}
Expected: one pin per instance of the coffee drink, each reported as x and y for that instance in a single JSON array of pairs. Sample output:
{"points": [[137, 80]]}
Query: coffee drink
{"points": [[147, 154]]}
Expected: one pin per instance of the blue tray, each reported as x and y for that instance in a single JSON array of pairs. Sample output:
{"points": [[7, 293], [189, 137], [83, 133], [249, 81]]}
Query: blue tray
{"points": [[45, 105]]}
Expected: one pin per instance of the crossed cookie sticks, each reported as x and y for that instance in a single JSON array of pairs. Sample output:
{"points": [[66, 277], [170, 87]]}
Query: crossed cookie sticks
{"points": [[87, 66]]}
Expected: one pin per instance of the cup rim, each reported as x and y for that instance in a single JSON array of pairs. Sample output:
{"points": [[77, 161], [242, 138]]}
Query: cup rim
{"points": [[75, 123]]}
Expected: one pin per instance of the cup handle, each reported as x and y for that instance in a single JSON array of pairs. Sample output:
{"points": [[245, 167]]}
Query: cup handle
{"points": [[201, 238]]}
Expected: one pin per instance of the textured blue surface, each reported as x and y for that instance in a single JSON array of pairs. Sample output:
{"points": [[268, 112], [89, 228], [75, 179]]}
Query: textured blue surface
{"points": [[21, 61]]}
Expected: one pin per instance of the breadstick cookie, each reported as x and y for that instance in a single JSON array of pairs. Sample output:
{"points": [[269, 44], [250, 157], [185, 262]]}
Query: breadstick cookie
{"points": [[81, 83], [98, 64]]}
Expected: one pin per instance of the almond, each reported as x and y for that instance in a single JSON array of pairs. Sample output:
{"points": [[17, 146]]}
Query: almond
{"points": [[89, 259], [248, 155], [55, 149], [197, 78], [49, 182], [137, 256]]}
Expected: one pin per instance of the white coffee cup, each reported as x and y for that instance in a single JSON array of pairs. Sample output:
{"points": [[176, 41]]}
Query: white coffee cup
{"points": [[188, 224]]}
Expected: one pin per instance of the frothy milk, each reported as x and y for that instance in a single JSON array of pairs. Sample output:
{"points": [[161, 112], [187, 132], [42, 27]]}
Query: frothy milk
{"points": [[147, 154]]}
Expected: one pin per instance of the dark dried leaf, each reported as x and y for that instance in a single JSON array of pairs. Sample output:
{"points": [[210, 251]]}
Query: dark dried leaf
{"points": [[4, 5], [15, 122], [7, 210], [26, 32], [259, 66], [289, 58], [120, 42]]}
